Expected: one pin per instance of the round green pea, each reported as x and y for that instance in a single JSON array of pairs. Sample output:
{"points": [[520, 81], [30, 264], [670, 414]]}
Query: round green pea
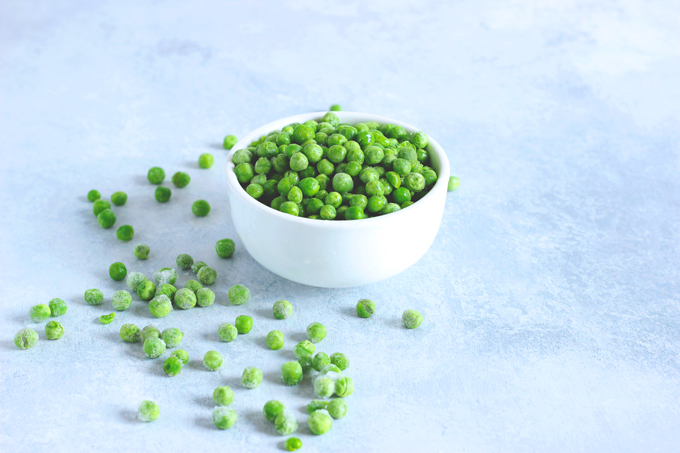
{"points": [[181, 179], [162, 194], [125, 233], [408, 154], [344, 386], [354, 213], [454, 183], [251, 377], [275, 339], [193, 285], [40, 312], [337, 408], [121, 300], [129, 333], [227, 332], [303, 349], [263, 166], [285, 423], [117, 271], [401, 195], [182, 355], [298, 162], [225, 248], [93, 195], [327, 212], [156, 175], [244, 324], [419, 139], [184, 261], [412, 319], [294, 443], [332, 118], [324, 386], [295, 195], [273, 409], [160, 306], [335, 108], [340, 360], [168, 290], [213, 360], [141, 251], [94, 297], [390, 208], [149, 331], [316, 405], [223, 395], [224, 418], [185, 298], [309, 187], [106, 218], [205, 297], [375, 188], [26, 338], [165, 275], [197, 266], [325, 167], [54, 330], [302, 133], [291, 373], [402, 167], [207, 275], [337, 154], [239, 294], [229, 141], [376, 203], [57, 307], [255, 190], [146, 290], [119, 198], [282, 309], [241, 156], [290, 207], [365, 308], [359, 200], [172, 366], [172, 337], [200, 208], [415, 182], [134, 279], [319, 422], [148, 411], [154, 347], [342, 182], [99, 206], [206, 160], [316, 332], [244, 172], [320, 360]]}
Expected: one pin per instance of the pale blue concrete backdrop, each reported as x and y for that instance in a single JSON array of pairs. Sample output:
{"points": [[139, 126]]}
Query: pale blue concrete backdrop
{"points": [[550, 296]]}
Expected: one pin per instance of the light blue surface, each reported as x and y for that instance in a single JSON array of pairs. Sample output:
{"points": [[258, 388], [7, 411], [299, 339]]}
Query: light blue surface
{"points": [[550, 296]]}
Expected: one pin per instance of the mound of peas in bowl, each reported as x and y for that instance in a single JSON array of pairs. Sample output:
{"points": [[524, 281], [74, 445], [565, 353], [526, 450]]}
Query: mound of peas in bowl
{"points": [[331, 170]]}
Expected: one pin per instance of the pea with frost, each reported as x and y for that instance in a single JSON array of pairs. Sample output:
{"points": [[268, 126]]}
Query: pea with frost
{"points": [[337, 408], [275, 339], [282, 309], [172, 366], [227, 332], [172, 337], [154, 347], [273, 409], [205, 297], [251, 377], [121, 300], [141, 251], [244, 324], [134, 279], [239, 294], [40, 312], [223, 417], [365, 308], [184, 261], [129, 333], [26, 338], [107, 319], [54, 330], [160, 306], [94, 297], [146, 290], [223, 395], [340, 360], [316, 332], [149, 331], [207, 275], [181, 354], [213, 360], [225, 248], [291, 373], [285, 423], [148, 411], [185, 298], [412, 319]]}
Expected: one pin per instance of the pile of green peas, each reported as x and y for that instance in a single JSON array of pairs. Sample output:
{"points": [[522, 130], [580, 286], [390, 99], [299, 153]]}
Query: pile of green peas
{"points": [[329, 170]]}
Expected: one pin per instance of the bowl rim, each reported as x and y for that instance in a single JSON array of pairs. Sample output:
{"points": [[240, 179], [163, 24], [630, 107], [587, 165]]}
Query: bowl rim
{"points": [[235, 187]]}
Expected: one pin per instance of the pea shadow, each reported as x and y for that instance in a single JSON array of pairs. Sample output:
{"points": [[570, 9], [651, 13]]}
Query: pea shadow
{"points": [[214, 146], [205, 401], [193, 164], [282, 445], [298, 337], [207, 423], [129, 416], [265, 313], [349, 311], [260, 423], [274, 377], [141, 180], [9, 345], [394, 322], [156, 367]]}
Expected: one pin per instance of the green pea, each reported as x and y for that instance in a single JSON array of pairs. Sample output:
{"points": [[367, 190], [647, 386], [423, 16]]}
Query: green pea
{"points": [[294, 443], [57, 307], [313, 152], [302, 133], [106, 218], [342, 182], [419, 139], [149, 331], [365, 308], [298, 162], [40, 312], [291, 373], [162, 194], [207, 275], [93, 297], [141, 251], [54, 330], [430, 176], [200, 208], [267, 149], [316, 332], [306, 363], [125, 233], [320, 360], [454, 183], [353, 168], [244, 324], [193, 285], [156, 175], [224, 418], [239, 294], [172, 337], [319, 422], [334, 108], [153, 347], [293, 149], [263, 166], [146, 290], [121, 300], [337, 153], [213, 360], [275, 339], [160, 306], [354, 213], [119, 198], [293, 176], [401, 166], [282, 309], [376, 203], [408, 154], [255, 190], [295, 194], [290, 207], [316, 405], [185, 299], [182, 355], [223, 395], [303, 349], [251, 377], [205, 297], [337, 408], [148, 411], [244, 172], [359, 200], [375, 188], [184, 261], [172, 366], [277, 202], [26, 338], [134, 279], [340, 360], [129, 333], [412, 319], [206, 160], [273, 409], [336, 139], [327, 212], [241, 156], [181, 179], [344, 386], [324, 386], [401, 195], [285, 423], [227, 332], [314, 206], [332, 118], [415, 182], [229, 141], [93, 195]]}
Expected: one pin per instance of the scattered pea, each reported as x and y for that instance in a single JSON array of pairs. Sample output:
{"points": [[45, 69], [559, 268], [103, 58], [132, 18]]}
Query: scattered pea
{"points": [[227, 332], [316, 405], [156, 175], [206, 160], [206, 275], [162, 194], [119, 198], [57, 307], [146, 290], [225, 248], [320, 360], [181, 179], [340, 360], [275, 339], [337, 408], [273, 409], [344, 386], [293, 443], [154, 347], [148, 411], [26, 338], [205, 297], [239, 294], [335, 108], [160, 306], [94, 297], [223, 395], [244, 324], [454, 183], [223, 417], [121, 300], [165, 275], [172, 366], [93, 195], [200, 208], [149, 331], [365, 308], [141, 251], [193, 285], [316, 332], [324, 387], [99, 206], [107, 319], [40, 312], [134, 279], [117, 271], [319, 422], [285, 423], [213, 360], [230, 141], [412, 319], [303, 349], [184, 261], [54, 330], [168, 290], [106, 218], [197, 266], [185, 298], [129, 333], [182, 355], [282, 309], [291, 373], [251, 377], [172, 337]]}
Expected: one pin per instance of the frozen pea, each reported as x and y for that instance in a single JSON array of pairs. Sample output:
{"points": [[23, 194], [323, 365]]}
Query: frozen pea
{"points": [[121, 300], [94, 297], [320, 360], [107, 319], [223, 395], [207, 275], [181, 179], [282, 309], [106, 218], [243, 323], [330, 368], [40, 312], [54, 330], [205, 297], [275, 339], [149, 331], [229, 141], [182, 355], [303, 349], [306, 363], [197, 266], [154, 347], [168, 290], [337, 408], [251, 377], [93, 195], [148, 411], [165, 275], [141, 251], [225, 248], [344, 386], [26, 338], [184, 261], [117, 271], [291, 373], [227, 332], [160, 306], [285, 423], [316, 405], [239, 294], [156, 175], [412, 319], [454, 183], [324, 387], [172, 337], [273, 409], [185, 298], [119, 198], [223, 417], [320, 422], [316, 332], [206, 160], [57, 307], [129, 333], [162, 194], [134, 279], [193, 285], [340, 360], [365, 308], [200, 208], [99, 206], [213, 360], [146, 290], [172, 366]]}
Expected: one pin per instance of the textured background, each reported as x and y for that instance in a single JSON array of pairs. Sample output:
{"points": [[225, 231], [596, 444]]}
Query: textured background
{"points": [[550, 295]]}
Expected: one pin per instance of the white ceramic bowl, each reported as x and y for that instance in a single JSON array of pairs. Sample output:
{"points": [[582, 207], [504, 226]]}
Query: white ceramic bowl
{"points": [[331, 253]]}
